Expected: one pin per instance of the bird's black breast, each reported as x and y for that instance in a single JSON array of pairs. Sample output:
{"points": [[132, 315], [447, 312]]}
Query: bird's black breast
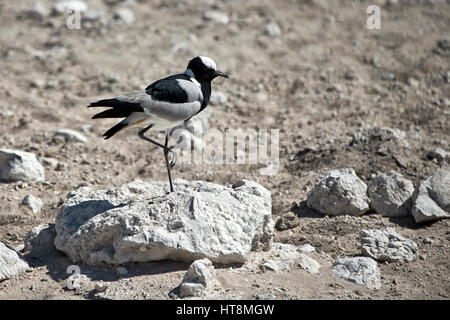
{"points": [[206, 92], [168, 89]]}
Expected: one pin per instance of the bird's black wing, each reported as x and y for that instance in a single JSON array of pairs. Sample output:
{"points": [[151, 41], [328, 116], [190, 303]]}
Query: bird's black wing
{"points": [[169, 89]]}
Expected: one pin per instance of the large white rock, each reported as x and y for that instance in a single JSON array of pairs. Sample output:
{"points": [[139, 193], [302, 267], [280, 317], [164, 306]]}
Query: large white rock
{"points": [[339, 192], [19, 165], [140, 221], [199, 280], [11, 264], [380, 134], [387, 245], [390, 194], [431, 199], [360, 270]]}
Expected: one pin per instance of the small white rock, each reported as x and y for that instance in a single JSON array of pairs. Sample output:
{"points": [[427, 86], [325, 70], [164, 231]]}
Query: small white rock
{"points": [[439, 154], [121, 271], [413, 82], [306, 248], [37, 83], [77, 282], [37, 11], [33, 203], [200, 279], [360, 270], [216, 17], [125, 15], [272, 29], [387, 245], [20, 165], [63, 7], [308, 264], [11, 264], [49, 162], [70, 135], [101, 286]]}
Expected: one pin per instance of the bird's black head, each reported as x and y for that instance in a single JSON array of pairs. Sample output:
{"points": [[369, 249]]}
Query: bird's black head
{"points": [[204, 69]]}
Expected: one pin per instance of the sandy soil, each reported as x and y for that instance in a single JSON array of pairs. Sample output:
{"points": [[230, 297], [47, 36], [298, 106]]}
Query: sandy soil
{"points": [[324, 78]]}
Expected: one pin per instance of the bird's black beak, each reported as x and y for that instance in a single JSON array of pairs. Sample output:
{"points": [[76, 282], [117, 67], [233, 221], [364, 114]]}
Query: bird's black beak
{"points": [[218, 73]]}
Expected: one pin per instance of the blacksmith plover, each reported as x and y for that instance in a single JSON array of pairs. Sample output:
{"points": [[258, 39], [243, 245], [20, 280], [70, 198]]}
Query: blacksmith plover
{"points": [[164, 104]]}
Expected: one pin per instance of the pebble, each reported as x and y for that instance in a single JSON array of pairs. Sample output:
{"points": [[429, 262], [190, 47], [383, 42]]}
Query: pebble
{"points": [[125, 15], [413, 82], [94, 15], [37, 83], [49, 162], [101, 286], [121, 271], [306, 248], [388, 76], [265, 296], [37, 11], [272, 29], [33, 203], [64, 7], [70, 135], [216, 17], [439, 154]]}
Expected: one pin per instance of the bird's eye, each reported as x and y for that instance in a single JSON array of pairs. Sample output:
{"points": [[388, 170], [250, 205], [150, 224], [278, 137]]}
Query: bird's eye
{"points": [[205, 68]]}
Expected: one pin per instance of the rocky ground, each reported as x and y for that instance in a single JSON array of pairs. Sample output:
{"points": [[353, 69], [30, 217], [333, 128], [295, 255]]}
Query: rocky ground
{"points": [[310, 68]]}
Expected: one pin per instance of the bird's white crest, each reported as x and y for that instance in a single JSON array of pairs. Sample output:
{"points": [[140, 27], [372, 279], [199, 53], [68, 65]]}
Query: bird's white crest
{"points": [[208, 62]]}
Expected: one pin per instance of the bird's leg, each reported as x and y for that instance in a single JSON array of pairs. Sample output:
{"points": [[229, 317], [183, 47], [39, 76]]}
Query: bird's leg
{"points": [[166, 156], [141, 135], [165, 149]]}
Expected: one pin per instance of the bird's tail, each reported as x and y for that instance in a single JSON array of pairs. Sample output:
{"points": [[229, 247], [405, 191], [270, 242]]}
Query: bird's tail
{"points": [[120, 126], [132, 112]]}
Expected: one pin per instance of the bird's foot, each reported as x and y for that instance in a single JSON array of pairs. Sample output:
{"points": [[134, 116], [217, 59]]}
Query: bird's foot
{"points": [[174, 157]]}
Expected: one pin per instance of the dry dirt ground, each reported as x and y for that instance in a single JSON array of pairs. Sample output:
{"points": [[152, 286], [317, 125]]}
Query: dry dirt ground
{"points": [[324, 78]]}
